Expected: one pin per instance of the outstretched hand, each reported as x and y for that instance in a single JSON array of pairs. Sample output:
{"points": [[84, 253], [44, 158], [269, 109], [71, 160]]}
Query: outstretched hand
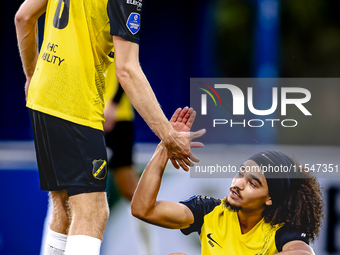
{"points": [[182, 121]]}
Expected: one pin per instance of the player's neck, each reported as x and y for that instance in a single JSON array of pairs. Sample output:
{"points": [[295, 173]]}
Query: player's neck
{"points": [[248, 220]]}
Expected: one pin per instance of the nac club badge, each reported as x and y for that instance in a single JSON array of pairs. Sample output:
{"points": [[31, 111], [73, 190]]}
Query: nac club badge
{"points": [[99, 170]]}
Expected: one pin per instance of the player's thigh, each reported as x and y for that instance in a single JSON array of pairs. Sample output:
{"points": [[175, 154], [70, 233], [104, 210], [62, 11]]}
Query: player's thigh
{"points": [[90, 212]]}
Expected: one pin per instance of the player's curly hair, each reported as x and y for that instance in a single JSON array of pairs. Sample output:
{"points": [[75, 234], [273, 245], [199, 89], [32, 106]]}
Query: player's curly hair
{"points": [[302, 208]]}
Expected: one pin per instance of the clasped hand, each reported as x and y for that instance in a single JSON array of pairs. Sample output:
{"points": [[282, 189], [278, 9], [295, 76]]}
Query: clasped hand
{"points": [[180, 141]]}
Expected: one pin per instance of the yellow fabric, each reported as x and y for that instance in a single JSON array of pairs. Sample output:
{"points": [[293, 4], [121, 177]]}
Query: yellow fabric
{"points": [[223, 227], [69, 80], [125, 111]]}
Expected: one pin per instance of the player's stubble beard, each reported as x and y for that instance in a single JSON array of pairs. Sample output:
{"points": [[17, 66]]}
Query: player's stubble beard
{"points": [[231, 207]]}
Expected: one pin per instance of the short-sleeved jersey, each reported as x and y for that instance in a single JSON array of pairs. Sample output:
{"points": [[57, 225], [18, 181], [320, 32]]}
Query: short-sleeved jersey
{"points": [[125, 110], [220, 233], [69, 80]]}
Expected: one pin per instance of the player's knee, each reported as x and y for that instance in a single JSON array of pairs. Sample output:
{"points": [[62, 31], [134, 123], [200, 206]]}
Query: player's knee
{"points": [[90, 207], [96, 217]]}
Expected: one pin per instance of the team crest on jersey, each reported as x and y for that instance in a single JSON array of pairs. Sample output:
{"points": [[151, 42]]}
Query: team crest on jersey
{"points": [[99, 170], [133, 22]]}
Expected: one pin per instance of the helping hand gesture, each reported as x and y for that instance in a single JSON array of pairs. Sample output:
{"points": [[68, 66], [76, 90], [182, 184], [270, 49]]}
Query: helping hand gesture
{"points": [[182, 121]]}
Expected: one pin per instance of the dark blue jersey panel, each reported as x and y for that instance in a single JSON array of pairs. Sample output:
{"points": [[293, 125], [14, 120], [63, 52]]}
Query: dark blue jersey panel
{"points": [[285, 235], [125, 17], [200, 206]]}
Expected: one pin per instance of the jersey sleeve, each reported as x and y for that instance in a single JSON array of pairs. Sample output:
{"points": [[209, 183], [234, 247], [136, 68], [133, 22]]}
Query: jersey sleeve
{"points": [[285, 235], [199, 206], [125, 16]]}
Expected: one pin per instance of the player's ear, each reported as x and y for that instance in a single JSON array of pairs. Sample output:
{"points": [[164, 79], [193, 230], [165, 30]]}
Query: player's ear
{"points": [[269, 201]]}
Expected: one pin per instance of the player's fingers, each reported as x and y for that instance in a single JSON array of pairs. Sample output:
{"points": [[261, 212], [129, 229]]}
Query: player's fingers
{"points": [[174, 163], [194, 158], [197, 134], [196, 145], [184, 166], [187, 161], [192, 118], [175, 115], [182, 114], [187, 116]]}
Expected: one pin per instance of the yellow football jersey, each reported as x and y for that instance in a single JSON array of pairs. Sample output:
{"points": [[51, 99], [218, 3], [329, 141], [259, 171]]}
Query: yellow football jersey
{"points": [[226, 233], [125, 110], [220, 232], [69, 78]]}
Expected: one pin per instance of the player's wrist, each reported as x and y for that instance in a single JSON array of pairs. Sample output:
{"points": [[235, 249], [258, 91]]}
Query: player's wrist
{"points": [[161, 147], [168, 136], [28, 73]]}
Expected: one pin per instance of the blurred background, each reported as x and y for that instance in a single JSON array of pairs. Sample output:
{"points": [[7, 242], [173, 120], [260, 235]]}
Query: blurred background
{"points": [[181, 40]]}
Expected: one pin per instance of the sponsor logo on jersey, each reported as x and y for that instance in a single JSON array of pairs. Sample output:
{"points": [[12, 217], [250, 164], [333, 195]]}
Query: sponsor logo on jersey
{"points": [[99, 170], [211, 240], [133, 22], [138, 3]]}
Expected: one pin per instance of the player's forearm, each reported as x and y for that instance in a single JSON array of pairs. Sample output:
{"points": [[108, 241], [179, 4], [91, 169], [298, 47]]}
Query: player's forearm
{"points": [[141, 95], [296, 252], [27, 35], [144, 198], [296, 248]]}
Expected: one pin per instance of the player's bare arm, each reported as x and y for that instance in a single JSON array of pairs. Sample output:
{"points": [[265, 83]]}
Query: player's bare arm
{"points": [[182, 121], [297, 248], [141, 95], [144, 202], [27, 34]]}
